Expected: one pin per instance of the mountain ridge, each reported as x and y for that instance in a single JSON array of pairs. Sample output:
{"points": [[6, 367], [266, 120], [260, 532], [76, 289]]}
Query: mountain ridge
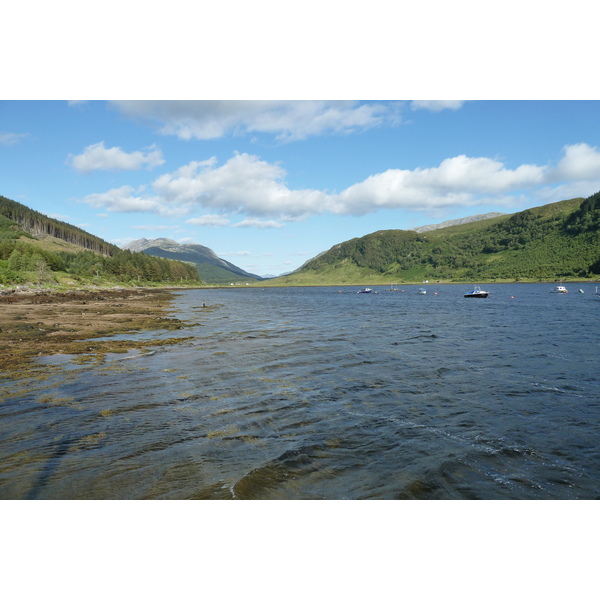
{"points": [[461, 221], [212, 268]]}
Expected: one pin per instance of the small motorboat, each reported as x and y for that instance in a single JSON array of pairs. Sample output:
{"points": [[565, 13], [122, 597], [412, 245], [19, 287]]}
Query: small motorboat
{"points": [[560, 289], [422, 291], [365, 291], [477, 293]]}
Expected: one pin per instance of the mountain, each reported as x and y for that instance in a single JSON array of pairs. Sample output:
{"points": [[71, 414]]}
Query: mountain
{"points": [[462, 221], [211, 268], [43, 251], [555, 241]]}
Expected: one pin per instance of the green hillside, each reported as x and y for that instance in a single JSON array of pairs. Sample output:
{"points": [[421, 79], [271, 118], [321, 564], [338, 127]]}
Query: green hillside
{"points": [[553, 242], [35, 249]]}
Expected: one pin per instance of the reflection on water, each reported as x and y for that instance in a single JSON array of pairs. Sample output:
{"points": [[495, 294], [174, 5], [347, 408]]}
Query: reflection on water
{"points": [[315, 394]]}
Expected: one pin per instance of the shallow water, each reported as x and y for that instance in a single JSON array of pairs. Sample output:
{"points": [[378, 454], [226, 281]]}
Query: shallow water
{"points": [[323, 393]]}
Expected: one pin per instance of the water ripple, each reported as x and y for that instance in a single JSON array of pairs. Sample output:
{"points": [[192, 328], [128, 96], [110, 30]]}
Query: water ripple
{"points": [[311, 394]]}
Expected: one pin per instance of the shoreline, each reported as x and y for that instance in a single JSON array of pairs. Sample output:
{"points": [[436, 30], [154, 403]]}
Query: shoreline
{"points": [[45, 323]]}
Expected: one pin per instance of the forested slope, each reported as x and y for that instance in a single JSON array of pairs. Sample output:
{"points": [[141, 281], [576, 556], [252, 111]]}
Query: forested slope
{"points": [[554, 241], [36, 224], [31, 251]]}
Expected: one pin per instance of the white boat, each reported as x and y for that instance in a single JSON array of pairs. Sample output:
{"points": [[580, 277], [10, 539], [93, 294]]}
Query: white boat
{"points": [[365, 291], [422, 291], [560, 289], [477, 293]]}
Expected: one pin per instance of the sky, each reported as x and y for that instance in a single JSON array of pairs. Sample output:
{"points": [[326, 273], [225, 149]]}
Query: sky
{"points": [[270, 184]]}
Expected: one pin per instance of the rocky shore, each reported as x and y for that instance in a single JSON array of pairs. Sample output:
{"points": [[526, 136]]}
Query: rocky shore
{"points": [[34, 324]]}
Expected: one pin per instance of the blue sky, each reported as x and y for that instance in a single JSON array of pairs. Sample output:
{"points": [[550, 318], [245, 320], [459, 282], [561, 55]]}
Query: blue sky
{"points": [[270, 184]]}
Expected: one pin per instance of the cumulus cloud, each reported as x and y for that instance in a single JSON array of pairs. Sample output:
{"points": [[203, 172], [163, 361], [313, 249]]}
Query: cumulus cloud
{"points": [[436, 105], [98, 157], [456, 181], [580, 162], [243, 184], [286, 120], [257, 189]]}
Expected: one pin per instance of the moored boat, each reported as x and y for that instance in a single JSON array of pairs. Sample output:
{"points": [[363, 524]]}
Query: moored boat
{"points": [[477, 293], [365, 291], [422, 291], [560, 289]]}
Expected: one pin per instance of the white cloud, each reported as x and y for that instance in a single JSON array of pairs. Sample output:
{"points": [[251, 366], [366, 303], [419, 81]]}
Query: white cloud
{"points": [[456, 181], [287, 120], [259, 223], [243, 184], [436, 105], [59, 217], [123, 200], [209, 221], [154, 227], [10, 139], [258, 190], [581, 162], [238, 253], [98, 157]]}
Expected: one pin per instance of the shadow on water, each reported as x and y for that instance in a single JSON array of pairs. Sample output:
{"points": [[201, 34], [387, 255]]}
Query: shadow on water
{"points": [[51, 467]]}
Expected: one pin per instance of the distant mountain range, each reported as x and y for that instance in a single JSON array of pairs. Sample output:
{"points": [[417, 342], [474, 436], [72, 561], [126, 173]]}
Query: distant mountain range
{"points": [[211, 268], [462, 221]]}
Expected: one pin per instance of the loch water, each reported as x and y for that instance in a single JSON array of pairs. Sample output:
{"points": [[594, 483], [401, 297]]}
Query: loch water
{"points": [[324, 393]]}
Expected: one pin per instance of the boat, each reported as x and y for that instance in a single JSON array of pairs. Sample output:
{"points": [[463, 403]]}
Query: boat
{"points": [[365, 291], [560, 289], [477, 293], [422, 291], [581, 291]]}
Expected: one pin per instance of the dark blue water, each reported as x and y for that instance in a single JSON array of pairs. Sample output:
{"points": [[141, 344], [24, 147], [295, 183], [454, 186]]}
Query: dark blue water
{"points": [[323, 393]]}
